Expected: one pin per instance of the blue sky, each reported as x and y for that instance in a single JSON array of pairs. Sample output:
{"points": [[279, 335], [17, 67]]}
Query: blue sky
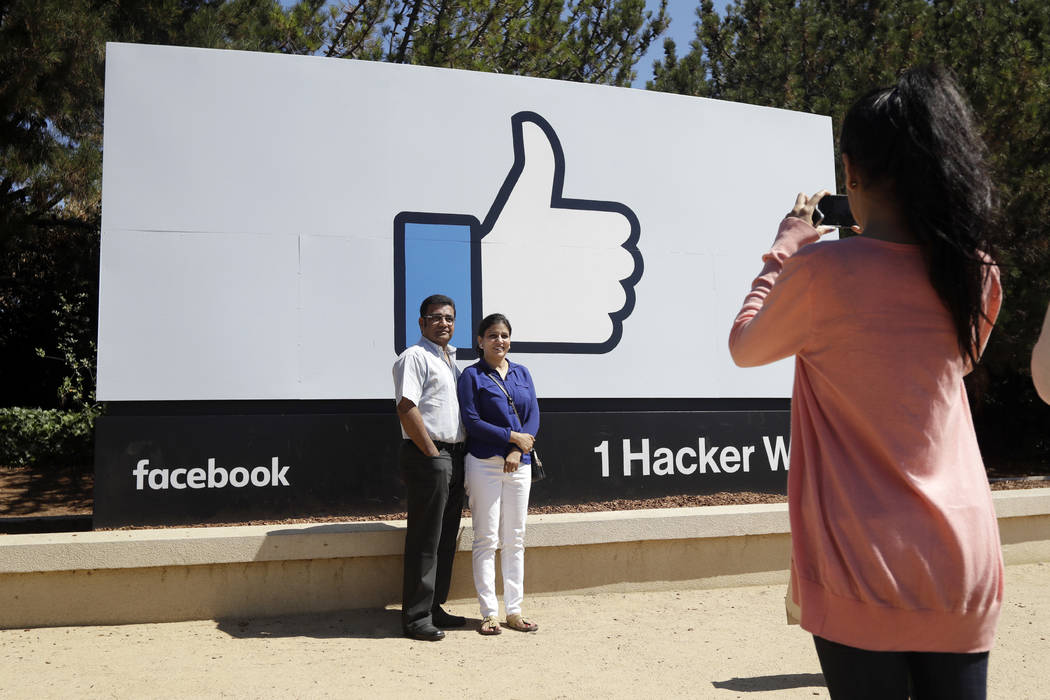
{"points": [[683, 19], [682, 30]]}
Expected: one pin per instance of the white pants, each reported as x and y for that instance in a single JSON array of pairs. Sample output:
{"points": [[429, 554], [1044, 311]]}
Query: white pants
{"points": [[499, 502]]}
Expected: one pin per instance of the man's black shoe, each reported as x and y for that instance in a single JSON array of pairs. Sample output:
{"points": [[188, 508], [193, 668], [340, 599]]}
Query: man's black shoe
{"points": [[444, 619], [427, 633]]}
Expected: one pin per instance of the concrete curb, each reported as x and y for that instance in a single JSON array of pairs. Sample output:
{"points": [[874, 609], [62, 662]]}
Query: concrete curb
{"points": [[121, 549], [128, 576]]}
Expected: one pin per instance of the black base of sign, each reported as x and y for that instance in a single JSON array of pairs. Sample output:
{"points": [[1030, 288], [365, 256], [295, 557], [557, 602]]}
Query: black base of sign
{"points": [[175, 464]]}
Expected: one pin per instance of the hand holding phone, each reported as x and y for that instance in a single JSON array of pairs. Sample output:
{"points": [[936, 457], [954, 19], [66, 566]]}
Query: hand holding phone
{"points": [[833, 210]]}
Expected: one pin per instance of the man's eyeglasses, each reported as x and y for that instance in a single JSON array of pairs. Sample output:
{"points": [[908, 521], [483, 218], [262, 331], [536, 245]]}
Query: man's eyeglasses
{"points": [[438, 318]]}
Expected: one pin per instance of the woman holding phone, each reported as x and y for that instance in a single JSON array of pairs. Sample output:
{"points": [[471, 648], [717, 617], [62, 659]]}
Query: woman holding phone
{"points": [[896, 565], [497, 401]]}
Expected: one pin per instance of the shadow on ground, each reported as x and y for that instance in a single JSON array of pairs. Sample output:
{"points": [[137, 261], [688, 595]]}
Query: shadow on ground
{"points": [[758, 684], [371, 623], [361, 624], [60, 491]]}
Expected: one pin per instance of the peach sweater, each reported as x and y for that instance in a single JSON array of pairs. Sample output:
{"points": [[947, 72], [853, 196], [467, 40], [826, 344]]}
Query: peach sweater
{"points": [[895, 543]]}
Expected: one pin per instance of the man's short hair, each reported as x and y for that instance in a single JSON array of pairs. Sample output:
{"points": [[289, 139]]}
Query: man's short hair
{"points": [[435, 300]]}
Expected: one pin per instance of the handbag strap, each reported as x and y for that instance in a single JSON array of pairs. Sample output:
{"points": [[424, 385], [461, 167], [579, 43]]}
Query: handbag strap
{"points": [[495, 377]]}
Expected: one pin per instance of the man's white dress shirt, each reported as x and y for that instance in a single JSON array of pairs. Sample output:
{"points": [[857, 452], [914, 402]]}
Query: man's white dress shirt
{"points": [[422, 376]]}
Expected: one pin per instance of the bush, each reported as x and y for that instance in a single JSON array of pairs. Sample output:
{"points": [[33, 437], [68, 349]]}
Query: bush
{"points": [[47, 438]]}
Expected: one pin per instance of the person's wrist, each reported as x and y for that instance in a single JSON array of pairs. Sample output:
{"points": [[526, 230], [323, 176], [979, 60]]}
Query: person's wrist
{"points": [[793, 233]]}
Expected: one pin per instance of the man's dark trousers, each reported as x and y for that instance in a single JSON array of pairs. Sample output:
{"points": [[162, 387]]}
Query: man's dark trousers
{"points": [[434, 491]]}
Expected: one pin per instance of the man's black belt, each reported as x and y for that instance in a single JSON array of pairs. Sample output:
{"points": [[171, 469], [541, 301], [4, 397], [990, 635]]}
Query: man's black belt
{"points": [[452, 447]]}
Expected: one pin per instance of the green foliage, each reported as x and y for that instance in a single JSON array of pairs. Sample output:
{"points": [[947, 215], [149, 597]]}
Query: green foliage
{"points": [[46, 438], [50, 110], [593, 41], [40, 269], [249, 25], [75, 351], [820, 55]]}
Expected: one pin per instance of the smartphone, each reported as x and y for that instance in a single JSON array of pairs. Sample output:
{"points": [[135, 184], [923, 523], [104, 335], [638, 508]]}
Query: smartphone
{"points": [[833, 210]]}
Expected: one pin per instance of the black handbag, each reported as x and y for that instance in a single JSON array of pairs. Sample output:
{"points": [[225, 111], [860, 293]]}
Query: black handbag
{"points": [[538, 472], [537, 465]]}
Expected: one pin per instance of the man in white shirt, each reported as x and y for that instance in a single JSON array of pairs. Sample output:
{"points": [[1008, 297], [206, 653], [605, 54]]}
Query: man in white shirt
{"points": [[431, 459]]}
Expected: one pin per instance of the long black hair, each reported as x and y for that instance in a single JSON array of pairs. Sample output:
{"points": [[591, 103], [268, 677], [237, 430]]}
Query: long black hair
{"points": [[918, 139]]}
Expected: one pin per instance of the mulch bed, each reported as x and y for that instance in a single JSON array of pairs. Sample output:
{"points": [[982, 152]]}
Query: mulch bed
{"points": [[69, 492], [24, 493]]}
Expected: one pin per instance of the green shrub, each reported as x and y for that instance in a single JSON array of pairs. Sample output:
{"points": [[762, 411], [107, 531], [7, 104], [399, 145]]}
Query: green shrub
{"points": [[46, 438]]}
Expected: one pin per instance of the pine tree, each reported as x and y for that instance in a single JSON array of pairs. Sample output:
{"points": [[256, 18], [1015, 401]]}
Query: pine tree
{"points": [[820, 55], [593, 41]]}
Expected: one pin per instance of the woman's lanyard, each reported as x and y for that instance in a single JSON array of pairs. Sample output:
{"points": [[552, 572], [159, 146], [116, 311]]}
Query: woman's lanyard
{"points": [[495, 378]]}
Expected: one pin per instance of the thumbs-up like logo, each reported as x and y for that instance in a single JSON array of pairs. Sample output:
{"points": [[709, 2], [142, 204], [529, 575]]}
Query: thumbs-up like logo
{"points": [[563, 270]]}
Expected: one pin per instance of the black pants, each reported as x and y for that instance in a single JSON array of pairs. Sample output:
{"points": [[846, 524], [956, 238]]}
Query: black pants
{"points": [[857, 674], [434, 491]]}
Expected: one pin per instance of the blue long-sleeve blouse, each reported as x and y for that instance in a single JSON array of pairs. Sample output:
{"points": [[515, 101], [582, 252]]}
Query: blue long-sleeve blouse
{"points": [[487, 415]]}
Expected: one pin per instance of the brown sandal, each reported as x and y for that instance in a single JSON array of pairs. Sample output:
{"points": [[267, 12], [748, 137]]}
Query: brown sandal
{"points": [[519, 623], [490, 626]]}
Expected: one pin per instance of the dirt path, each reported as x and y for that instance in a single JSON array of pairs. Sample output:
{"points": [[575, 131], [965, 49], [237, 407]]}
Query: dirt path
{"points": [[722, 643]]}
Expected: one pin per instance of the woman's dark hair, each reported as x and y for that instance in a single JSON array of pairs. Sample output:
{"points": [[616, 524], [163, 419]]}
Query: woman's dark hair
{"points": [[920, 142], [490, 321]]}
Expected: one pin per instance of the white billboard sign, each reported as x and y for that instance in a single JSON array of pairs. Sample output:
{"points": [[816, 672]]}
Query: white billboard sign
{"points": [[271, 223]]}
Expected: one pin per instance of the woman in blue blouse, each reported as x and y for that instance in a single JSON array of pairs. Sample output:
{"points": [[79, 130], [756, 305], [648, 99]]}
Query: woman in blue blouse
{"points": [[497, 400]]}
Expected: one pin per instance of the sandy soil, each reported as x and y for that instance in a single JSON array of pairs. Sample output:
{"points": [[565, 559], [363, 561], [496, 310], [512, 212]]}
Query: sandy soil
{"points": [[723, 643]]}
